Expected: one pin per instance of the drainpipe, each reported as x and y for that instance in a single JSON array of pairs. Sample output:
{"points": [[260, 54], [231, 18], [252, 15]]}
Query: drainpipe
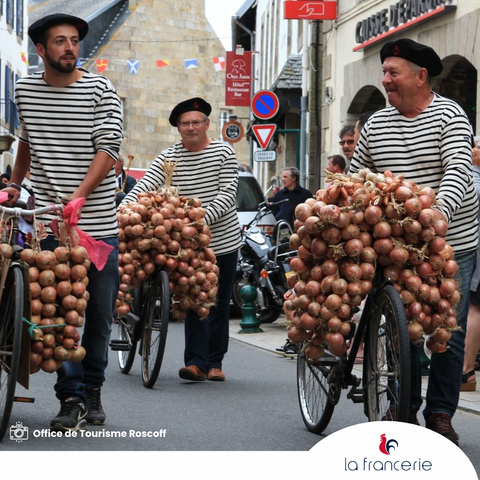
{"points": [[303, 108]]}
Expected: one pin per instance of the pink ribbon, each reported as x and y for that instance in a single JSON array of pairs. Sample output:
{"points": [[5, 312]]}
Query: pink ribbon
{"points": [[98, 250]]}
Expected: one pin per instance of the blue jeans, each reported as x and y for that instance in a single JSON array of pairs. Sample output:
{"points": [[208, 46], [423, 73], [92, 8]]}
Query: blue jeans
{"points": [[445, 376], [206, 341], [75, 377]]}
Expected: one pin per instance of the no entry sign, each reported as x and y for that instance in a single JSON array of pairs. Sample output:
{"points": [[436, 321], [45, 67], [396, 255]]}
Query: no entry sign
{"points": [[265, 105]]}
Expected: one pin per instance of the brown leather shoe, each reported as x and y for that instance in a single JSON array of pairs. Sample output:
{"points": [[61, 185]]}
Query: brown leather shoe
{"points": [[192, 372], [442, 423], [216, 375]]}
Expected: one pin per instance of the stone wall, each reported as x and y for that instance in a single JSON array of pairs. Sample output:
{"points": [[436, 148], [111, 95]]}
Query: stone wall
{"points": [[157, 30]]}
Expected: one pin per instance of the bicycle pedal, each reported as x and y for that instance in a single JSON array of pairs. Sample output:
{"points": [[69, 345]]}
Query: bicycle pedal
{"points": [[356, 392], [119, 345]]}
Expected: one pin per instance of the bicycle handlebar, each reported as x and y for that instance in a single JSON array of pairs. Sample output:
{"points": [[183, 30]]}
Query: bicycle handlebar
{"points": [[25, 212]]}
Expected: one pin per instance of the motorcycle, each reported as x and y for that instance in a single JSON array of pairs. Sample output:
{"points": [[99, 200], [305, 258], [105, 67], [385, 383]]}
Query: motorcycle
{"points": [[263, 263]]}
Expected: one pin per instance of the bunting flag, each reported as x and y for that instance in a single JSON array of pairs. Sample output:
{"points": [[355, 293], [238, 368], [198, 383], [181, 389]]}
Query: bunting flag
{"points": [[219, 63], [133, 66], [24, 57], [101, 65], [163, 63], [191, 63]]}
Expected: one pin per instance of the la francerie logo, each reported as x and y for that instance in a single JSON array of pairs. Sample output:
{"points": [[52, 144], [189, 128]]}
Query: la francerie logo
{"points": [[387, 445]]}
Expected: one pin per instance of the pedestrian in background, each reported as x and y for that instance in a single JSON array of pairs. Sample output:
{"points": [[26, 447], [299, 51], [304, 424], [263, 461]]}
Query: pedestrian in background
{"points": [[472, 338], [336, 164], [427, 139], [207, 169], [290, 195], [347, 142], [81, 112], [124, 181]]}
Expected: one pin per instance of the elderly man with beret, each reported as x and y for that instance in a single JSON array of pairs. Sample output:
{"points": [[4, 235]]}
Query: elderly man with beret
{"points": [[71, 131], [427, 138], [206, 168]]}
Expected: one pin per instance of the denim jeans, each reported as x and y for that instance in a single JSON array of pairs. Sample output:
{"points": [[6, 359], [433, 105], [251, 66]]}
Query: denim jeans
{"points": [[445, 376], [75, 377], [206, 341]]}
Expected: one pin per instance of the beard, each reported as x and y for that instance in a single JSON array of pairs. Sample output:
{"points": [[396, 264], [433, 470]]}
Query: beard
{"points": [[60, 67]]}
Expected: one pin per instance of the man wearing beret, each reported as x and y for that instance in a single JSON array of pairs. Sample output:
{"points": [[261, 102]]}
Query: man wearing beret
{"points": [[207, 169], [427, 139], [71, 131]]}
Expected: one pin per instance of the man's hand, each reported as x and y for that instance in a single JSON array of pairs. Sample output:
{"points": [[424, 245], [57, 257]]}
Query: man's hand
{"points": [[13, 196]]}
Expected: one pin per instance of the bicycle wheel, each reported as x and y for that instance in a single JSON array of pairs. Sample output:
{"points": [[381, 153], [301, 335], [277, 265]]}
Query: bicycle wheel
{"points": [[11, 313], [319, 388], [155, 317], [128, 334], [386, 374]]}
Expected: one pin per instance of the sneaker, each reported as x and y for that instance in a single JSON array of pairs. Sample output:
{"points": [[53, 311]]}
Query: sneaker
{"points": [[442, 423], [95, 413], [289, 349], [71, 416]]}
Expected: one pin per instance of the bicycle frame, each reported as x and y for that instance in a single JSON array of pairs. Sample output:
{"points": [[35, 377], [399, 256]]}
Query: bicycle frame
{"points": [[346, 362]]}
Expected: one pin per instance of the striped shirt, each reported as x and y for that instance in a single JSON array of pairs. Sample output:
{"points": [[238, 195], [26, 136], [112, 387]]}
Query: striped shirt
{"points": [[212, 176], [433, 150], [65, 127]]}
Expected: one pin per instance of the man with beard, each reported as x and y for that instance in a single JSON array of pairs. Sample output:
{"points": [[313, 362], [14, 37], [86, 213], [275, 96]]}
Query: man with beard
{"points": [[71, 131]]}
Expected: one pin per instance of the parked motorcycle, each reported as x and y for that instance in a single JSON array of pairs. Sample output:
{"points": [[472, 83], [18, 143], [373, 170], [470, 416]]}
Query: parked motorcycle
{"points": [[263, 263]]}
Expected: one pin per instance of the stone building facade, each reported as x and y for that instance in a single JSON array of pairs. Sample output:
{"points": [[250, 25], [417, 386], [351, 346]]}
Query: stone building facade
{"points": [[155, 31]]}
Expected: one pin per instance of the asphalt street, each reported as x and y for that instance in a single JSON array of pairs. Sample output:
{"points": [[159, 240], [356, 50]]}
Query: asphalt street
{"points": [[255, 409]]}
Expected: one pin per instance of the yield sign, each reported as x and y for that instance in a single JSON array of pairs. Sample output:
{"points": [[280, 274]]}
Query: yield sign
{"points": [[264, 133]]}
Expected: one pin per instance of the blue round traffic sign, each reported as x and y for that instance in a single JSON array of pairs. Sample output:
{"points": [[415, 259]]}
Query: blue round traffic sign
{"points": [[265, 104]]}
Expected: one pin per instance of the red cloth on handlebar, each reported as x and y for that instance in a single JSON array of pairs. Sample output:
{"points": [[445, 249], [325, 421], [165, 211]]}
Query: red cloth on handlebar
{"points": [[3, 197], [98, 250]]}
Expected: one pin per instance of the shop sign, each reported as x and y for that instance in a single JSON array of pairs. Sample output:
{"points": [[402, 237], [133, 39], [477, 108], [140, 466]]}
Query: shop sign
{"points": [[398, 17], [238, 79], [232, 131], [309, 10]]}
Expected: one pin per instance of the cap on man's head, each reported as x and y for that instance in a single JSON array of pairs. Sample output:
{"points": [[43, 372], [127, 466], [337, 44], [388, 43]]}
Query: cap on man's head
{"points": [[37, 28], [196, 104], [421, 55]]}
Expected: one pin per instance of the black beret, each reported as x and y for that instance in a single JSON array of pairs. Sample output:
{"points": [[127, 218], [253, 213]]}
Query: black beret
{"points": [[196, 104], [37, 28], [421, 55]]}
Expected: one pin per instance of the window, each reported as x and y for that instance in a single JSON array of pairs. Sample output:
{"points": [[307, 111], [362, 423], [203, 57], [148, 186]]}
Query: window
{"points": [[10, 12], [19, 23], [7, 93]]}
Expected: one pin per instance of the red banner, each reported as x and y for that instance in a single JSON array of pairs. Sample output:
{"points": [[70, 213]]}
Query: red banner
{"points": [[238, 79]]}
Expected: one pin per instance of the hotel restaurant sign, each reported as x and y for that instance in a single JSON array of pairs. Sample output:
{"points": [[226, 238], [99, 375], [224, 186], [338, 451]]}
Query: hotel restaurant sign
{"points": [[397, 18]]}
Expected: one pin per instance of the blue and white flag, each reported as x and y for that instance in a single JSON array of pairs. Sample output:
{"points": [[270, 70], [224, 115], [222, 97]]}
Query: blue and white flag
{"points": [[191, 63], [133, 66]]}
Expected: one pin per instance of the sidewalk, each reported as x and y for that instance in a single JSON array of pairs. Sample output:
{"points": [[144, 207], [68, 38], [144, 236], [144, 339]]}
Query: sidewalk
{"points": [[274, 335]]}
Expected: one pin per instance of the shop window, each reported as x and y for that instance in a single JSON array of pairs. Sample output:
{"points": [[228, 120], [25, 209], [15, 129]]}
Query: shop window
{"points": [[458, 81]]}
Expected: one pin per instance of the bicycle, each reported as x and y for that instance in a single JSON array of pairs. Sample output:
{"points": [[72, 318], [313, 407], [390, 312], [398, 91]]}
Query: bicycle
{"points": [[14, 307], [147, 324], [385, 384]]}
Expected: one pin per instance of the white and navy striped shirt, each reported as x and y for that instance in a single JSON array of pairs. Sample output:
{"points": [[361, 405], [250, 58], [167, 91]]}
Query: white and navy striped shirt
{"points": [[212, 176], [65, 127], [432, 149]]}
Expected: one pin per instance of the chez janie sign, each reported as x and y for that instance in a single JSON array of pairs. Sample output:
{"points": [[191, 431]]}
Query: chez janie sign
{"points": [[399, 16]]}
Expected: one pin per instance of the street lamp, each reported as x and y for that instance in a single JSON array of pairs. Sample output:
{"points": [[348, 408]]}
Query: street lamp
{"points": [[6, 140]]}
